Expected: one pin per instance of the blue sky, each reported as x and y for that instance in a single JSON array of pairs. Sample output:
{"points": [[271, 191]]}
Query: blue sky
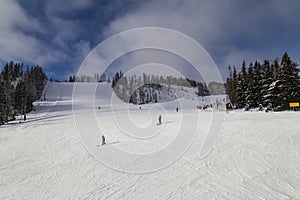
{"points": [[58, 35]]}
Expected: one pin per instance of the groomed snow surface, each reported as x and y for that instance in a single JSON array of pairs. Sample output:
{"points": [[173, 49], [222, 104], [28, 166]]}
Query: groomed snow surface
{"points": [[54, 154]]}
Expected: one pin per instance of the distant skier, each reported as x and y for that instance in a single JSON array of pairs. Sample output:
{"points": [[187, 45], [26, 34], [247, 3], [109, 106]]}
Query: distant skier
{"points": [[177, 109], [159, 119], [103, 140], [269, 107], [260, 107], [246, 108]]}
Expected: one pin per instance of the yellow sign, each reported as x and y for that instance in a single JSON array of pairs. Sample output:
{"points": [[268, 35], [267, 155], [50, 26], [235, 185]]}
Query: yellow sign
{"points": [[294, 104]]}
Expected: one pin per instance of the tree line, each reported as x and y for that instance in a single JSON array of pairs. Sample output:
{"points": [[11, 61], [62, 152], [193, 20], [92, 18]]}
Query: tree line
{"points": [[274, 81], [98, 77], [18, 89], [148, 88]]}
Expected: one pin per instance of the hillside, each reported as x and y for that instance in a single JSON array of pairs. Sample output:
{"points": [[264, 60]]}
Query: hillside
{"points": [[191, 155]]}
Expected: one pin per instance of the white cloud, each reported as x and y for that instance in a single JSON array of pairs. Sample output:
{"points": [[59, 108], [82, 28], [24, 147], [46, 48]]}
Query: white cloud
{"points": [[237, 25], [227, 29], [16, 41], [64, 31], [13, 16], [84, 47]]}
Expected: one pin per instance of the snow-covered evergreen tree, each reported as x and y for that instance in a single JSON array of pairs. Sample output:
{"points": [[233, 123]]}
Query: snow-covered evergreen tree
{"points": [[18, 89], [250, 89], [231, 85], [257, 86], [242, 87], [289, 81], [266, 81]]}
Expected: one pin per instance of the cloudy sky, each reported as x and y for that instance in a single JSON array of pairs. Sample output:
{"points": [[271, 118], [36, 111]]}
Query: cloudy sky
{"points": [[58, 35]]}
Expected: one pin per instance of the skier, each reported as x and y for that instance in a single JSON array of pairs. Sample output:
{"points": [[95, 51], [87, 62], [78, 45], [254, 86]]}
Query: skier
{"points": [[247, 108], [269, 107], [260, 107], [159, 119], [103, 140], [177, 109]]}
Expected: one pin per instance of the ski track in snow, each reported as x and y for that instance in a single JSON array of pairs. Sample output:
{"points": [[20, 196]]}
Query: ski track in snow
{"points": [[256, 156]]}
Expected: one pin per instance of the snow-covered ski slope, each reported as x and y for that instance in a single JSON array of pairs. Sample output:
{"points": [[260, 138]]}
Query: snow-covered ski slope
{"points": [[54, 154]]}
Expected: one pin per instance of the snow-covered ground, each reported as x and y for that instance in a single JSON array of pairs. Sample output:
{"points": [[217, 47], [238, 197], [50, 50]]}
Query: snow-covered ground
{"points": [[54, 154]]}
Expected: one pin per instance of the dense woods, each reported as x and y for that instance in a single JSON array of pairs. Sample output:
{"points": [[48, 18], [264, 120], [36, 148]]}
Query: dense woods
{"points": [[18, 89], [98, 77], [273, 81], [150, 88]]}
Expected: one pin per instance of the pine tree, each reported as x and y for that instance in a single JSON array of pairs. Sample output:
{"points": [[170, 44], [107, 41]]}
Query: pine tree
{"points": [[266, 81], [20, 97], [29, 88], [38, 80], [2, 103], [30, 95], [257, 87], [7, 95], [200, 90], [72, 79], [289, 81], [231, 85], [250, 90], [242, 87]]}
